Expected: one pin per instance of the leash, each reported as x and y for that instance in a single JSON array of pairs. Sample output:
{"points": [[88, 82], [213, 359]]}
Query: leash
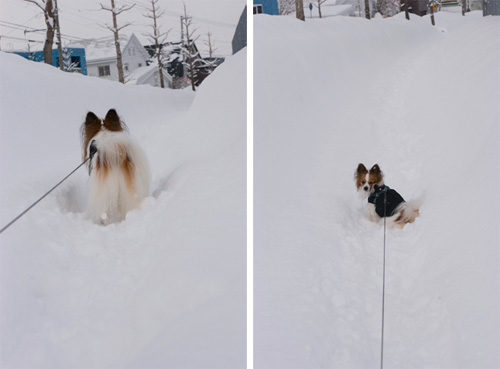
{"points": [[41, 198], [383, 289]]}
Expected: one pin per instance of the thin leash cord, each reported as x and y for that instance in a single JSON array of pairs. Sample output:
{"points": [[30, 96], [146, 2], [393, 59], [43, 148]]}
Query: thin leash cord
{"points": [[41, 198], [383, 289]]}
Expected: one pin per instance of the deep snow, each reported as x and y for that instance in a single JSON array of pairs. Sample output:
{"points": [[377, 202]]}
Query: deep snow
{"points": [[165, 288], [423, 103]]}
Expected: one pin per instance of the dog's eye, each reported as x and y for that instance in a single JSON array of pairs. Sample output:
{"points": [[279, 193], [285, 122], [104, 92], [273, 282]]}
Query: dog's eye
{"points": [[363, 182], [370, 183]]}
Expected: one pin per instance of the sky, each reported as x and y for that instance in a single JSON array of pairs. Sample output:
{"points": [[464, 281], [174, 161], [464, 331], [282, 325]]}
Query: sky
{"points": [[22, 23]]}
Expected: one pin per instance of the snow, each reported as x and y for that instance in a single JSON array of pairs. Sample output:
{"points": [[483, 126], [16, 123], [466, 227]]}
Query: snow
{"points": [[104, 48], [422, 102], [164, 288]]}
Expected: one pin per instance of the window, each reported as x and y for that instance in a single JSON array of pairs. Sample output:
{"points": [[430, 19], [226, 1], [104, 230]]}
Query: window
{"points": [[257, 9], [104, 71], [75, 61]]}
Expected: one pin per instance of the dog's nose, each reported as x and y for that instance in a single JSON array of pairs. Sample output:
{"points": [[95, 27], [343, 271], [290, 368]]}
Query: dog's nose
{"points": [[365, 188]]}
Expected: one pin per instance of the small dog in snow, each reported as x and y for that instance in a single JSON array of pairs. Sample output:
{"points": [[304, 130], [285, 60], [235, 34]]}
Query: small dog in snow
{"points": [[384, 202], [118, 168]]}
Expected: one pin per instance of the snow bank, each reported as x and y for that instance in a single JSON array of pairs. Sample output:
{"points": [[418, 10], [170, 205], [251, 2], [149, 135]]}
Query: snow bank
{"points": [[422, 102], [164, 288]]}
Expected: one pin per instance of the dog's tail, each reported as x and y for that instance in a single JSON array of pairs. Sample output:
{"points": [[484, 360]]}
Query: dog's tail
{"points": [[409, 211]]}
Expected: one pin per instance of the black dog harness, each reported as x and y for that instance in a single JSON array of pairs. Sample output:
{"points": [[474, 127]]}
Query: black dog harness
{"points": [[377, 198]]}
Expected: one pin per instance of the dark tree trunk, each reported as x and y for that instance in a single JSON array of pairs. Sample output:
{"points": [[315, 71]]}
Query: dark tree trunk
{"points": [[49, 38], [299, 10]]}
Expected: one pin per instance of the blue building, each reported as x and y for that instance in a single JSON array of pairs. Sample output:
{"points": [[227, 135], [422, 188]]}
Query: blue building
{"points": [[266, 7], [75, 54]]}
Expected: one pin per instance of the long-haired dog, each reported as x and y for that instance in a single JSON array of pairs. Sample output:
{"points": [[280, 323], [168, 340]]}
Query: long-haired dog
{"points": [[384, 202], [118, 169]]}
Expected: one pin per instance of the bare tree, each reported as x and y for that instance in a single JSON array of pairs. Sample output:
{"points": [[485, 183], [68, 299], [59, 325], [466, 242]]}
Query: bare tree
{"points": [[317, 4], [299, 10], [68, 63], [211, 49], [286, 7], [388, 8], [191, 55], [115, 29], [47, 7], [31, 55], [157, 37]]}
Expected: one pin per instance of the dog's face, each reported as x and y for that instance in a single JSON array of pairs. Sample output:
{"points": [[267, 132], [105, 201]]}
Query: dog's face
{"points": [[367, 179]]}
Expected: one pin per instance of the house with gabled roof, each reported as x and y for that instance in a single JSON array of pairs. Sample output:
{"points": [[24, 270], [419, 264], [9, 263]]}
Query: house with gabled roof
{"points": [[101, 56]]}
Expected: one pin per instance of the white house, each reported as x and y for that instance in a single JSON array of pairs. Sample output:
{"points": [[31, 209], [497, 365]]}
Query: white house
{"points": [[101, 56]]}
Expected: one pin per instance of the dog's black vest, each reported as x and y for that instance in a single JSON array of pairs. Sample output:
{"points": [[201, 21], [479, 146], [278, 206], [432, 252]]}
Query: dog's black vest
{"points": [[377, 198]]}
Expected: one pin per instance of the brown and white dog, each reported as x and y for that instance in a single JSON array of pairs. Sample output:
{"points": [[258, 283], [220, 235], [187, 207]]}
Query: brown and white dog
{"points": [[384, 202], [118, 168]]}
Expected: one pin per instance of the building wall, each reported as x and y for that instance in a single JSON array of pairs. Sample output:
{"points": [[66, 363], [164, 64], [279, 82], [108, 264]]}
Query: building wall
{"points": [[268, 6], [240, 35], [491, 7], [133, 56], [75, 52], [93, 69]]}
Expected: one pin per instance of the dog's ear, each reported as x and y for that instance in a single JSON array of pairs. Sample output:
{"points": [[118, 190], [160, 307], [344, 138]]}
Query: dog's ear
{"points": [[375, 169], [91, 119], [112, 121], [89, 129], [361, 169]]}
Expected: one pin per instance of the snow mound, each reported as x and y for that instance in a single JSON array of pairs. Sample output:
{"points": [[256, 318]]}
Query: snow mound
{"points": [[149, 292]]}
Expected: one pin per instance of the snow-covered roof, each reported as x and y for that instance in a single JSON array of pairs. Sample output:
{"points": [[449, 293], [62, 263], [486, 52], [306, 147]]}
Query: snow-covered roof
{"points": [[99, 49], [141, 74], [104, 48]]}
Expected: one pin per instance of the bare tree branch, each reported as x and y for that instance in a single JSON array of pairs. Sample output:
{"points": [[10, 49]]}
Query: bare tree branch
{"points": [[115, 29], [48, 13], [37, 4]]}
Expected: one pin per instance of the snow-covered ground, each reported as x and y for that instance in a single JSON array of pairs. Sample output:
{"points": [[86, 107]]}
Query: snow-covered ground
{"points": [[423, 103], [166, 288]]}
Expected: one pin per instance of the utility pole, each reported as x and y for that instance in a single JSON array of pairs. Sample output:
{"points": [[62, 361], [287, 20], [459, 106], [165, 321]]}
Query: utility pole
{"points": [[367, 9], [58, 33]]}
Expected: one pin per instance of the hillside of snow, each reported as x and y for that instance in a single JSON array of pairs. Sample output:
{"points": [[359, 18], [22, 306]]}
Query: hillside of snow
{"points": [[423, 103], [166, 288]]}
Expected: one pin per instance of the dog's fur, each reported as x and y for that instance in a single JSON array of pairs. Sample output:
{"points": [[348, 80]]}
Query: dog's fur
{"points": [[118, 168], [366, 184]]}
